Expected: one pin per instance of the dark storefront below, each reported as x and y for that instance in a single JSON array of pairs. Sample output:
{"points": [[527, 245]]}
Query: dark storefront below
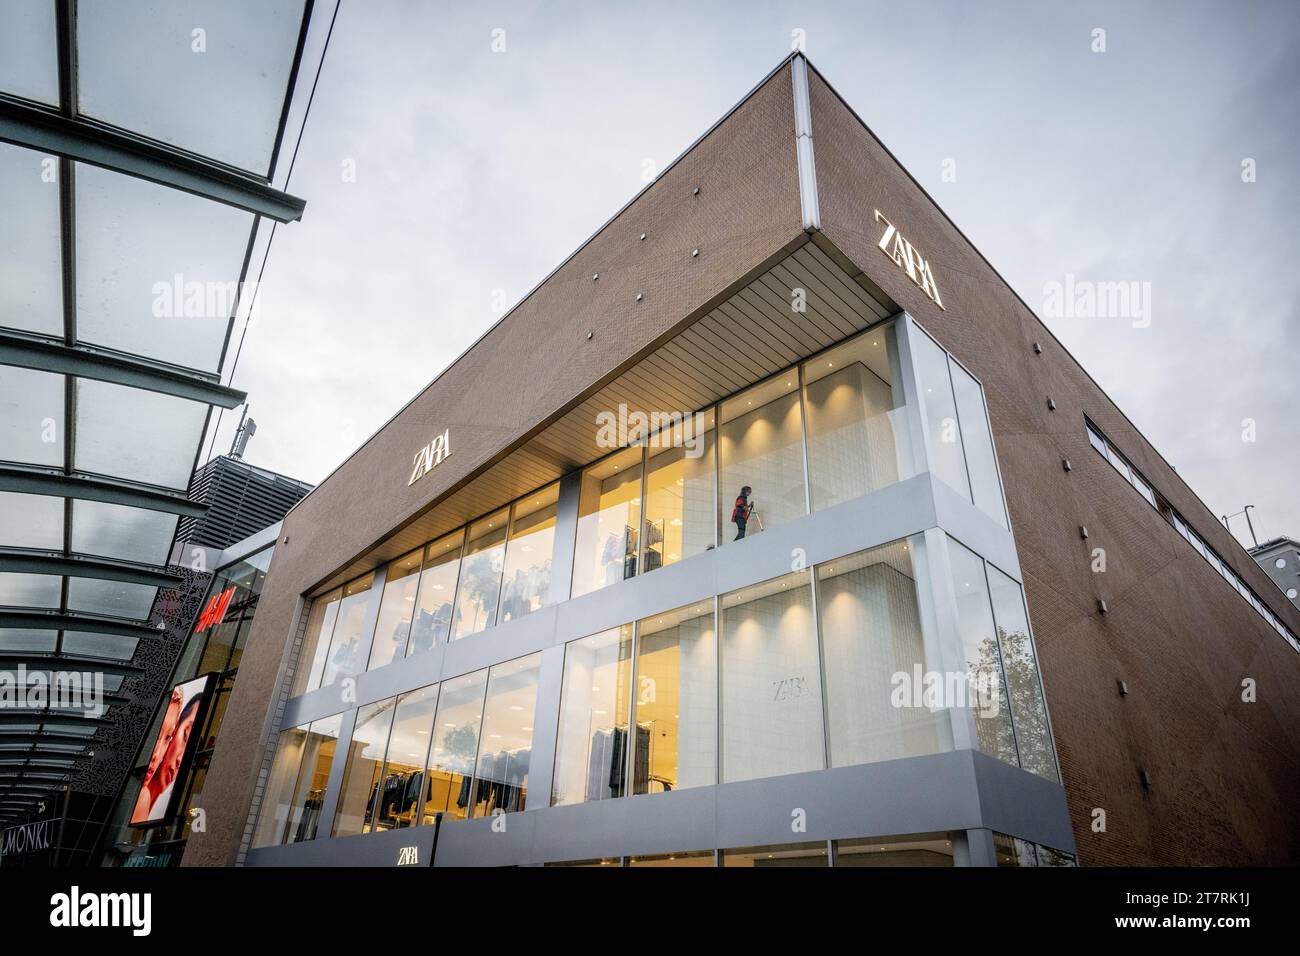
{"points": [[163, 793]]}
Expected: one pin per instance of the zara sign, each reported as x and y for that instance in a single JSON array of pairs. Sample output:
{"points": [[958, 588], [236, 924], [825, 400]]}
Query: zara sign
{"points": [[430, 456], [908, 259]]}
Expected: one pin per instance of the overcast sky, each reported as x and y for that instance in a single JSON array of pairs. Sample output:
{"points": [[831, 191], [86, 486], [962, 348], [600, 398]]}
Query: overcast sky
{"points": [[478, 171]]}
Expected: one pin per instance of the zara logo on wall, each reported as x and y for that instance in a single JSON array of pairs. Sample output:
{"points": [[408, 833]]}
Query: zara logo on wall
{"points": [[431, 456], [408, 856], [908, 259]]}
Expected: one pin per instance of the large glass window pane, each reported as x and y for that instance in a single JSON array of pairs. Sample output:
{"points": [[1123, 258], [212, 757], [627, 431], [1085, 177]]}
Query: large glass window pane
{"points": [[31, 521], [480, 575], [31, 416], [679, 509], [875, 653], [396, 607], [437, 593], [30, 590], [986, 688], [455, 744], [924, 849], [943, 434], [218, 92], [115, 598], [977, 439], [609, 508], [29, 63], [31, 277], [157, 269], [676, 700], [344, 657], [28, 639], [857, 425], [590, 752], [1013, 851], [361, 773], [108, 646], [134, 534], [165, 434], [273, 817], [526, 584], [1020, 664], [760, 447], [401, 784], [771, 684], [1098, 443], [693, 858], [316, 642], [313, 776], [785, 854], [501, 777]]}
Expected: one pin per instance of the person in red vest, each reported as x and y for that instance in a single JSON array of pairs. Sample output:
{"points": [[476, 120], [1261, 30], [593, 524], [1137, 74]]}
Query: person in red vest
{"points": [[740, 513]]}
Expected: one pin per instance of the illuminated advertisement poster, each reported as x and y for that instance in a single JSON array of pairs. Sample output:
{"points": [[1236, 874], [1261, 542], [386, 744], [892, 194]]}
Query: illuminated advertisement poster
{"points": [[172, 751]]}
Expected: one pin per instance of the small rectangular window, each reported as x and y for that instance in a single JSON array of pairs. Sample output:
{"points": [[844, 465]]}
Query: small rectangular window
{"points": [[1097, 442]]}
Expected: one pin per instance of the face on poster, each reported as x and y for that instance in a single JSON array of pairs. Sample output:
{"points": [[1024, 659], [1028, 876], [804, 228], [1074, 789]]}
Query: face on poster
{"points": [[171, 751]]}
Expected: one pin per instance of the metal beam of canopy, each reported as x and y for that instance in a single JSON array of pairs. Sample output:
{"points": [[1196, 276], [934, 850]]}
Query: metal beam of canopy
{"points": [[25, 561]]}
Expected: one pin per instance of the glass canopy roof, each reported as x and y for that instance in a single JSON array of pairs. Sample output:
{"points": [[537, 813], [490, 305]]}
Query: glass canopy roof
{"points": [[138, 140]]}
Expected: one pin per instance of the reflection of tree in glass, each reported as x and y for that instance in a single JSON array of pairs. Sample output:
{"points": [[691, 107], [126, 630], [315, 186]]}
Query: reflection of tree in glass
{"points": [[1032, 732], [459, 748], [992, 716], [483, 580]]}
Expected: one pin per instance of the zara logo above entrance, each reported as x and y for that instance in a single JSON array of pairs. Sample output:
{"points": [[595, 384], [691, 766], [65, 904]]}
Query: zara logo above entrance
{"points": [[908, 259]]}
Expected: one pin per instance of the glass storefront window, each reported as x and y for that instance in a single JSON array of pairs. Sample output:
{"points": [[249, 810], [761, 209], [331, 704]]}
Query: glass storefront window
{"points": [[925, 849], [693, 858], [316, 642], [526, 585], [986, 685], [501, 775], [396, 608], [679, 509], [1020, 664], [609, 510], [437, 595], [590, 752], [273, 818], [760, 447], [876, 658], [397, 799], [785, 854], [1013, 851], [480, 575], [361, 773], [676, 700], [771, 683], [313, 776], [345, 651], [977, 440], [857, 423], [943, 433], [455, 745]]}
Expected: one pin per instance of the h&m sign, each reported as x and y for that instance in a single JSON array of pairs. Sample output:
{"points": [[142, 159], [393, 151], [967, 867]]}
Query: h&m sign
{"points": [[215, 612], [908, 259], [431, 456]]}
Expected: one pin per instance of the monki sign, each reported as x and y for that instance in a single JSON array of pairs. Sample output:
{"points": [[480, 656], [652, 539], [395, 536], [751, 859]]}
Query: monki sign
{"points": [[908, 259]]}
